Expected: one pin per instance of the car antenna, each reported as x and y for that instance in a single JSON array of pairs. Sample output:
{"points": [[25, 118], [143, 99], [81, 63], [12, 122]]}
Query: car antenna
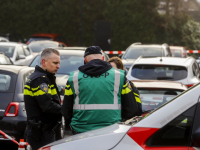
{"points": [[161, 55]]}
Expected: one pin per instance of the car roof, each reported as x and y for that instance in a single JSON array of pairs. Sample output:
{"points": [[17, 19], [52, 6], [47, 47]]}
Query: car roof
{"points": [[176, 47], [71, 48], [45, 34], [12, 68], [43, 41], [174, 61], [11, 43], [159, 84], [78, 52]]}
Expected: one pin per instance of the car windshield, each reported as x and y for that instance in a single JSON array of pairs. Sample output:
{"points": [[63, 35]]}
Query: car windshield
{"points": [[68, 63], [153, 98], [159, 72], [135, 52], [39, 39], [38, 47], [7, 50]]}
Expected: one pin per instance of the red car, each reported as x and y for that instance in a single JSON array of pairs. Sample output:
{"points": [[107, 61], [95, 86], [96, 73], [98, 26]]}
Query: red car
{"points": [[49, 36]]}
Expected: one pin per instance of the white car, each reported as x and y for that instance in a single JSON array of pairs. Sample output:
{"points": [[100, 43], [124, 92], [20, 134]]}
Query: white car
{"points": [[155, 93], [174, 126], [19, 53], [184, 70]]}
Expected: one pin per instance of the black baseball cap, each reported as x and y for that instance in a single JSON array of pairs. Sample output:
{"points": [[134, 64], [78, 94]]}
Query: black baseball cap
{"points": [[92, 50]]}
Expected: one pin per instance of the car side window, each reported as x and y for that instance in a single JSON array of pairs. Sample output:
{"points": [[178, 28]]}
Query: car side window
{"points": [[175, 133], [195, 69], [26, 76]]}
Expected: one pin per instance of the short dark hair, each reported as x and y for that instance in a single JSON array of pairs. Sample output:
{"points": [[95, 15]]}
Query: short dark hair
{"points": [[117, 61]]}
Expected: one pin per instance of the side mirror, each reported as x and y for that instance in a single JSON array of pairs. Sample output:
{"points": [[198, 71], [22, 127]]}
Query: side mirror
{"points": [[120, 55], [22, 56], [196, 138]]}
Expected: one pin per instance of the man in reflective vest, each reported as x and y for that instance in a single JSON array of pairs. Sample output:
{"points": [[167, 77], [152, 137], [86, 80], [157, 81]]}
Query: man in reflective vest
{"points": [[98, 95]]}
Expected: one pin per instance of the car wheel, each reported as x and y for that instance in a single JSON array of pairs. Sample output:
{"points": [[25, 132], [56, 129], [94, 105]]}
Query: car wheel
{"points": [[60, 132]]}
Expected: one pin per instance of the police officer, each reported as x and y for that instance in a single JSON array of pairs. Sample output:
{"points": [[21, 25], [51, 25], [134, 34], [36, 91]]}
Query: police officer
{"points": [[42, 100], [97, 95]]}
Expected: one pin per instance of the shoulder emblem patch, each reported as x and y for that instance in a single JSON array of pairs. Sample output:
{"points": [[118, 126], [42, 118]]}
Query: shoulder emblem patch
{"points": [[44, 87], [129, 85]]}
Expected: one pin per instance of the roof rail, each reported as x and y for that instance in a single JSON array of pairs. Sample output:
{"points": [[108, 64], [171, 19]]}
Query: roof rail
{"points": [[137, 43]]}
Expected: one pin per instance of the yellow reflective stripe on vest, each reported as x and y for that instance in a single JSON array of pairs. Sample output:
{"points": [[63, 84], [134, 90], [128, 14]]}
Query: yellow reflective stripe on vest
{"points": [[27, 92], [40, 92], [97, 106], [34, 89]]}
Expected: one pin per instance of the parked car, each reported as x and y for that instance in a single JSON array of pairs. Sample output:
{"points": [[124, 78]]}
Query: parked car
{"points": [[3, 39], [4, 60], [48, 36], [106, 57], [178, 51], [174, 126], [155, 93], [12, 109], [19, 53], [13, 37], [136, 50], [184, 70], [38, 46]]}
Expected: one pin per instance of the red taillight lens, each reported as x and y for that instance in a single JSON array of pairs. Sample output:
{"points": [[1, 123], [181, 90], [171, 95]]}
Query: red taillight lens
{"points": [[16, 107], [189, 85], [45, 148]]}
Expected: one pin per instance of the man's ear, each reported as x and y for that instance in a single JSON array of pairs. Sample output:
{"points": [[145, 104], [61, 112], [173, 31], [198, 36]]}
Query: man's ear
{"points": [[43, 62], [85, 60]]}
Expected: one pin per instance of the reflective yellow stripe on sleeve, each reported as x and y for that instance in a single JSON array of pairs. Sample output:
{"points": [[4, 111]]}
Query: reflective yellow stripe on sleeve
{"points": [[125, 91], [137, 99], [68, 90], [53, 92]]}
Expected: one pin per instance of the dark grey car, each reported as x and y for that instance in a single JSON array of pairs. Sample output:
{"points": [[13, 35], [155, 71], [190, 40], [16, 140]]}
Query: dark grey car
{"points": [[12, 112]]}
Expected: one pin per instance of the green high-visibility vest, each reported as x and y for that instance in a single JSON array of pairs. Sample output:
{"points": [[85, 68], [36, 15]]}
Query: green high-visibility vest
{"points": [[97, 100]]}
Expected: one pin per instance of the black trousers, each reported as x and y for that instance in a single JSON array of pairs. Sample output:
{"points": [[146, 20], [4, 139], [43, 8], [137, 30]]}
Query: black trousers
{"points": [[47, 137]]}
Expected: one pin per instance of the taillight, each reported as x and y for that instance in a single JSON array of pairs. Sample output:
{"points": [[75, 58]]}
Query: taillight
{"points": [[45, 148], [189, 85], [16, 107]]}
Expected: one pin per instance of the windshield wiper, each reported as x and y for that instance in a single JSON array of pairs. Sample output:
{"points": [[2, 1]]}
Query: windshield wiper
{"points": [[162, 78]]}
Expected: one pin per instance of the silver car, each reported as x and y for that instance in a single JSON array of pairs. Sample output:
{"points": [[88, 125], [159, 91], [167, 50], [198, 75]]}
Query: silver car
{"points": [[184, 70], [19, 53]]}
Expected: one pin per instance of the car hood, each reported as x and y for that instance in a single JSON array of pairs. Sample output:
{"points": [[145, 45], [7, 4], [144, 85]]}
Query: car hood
{"points": [[110, 135], [61, 79]]}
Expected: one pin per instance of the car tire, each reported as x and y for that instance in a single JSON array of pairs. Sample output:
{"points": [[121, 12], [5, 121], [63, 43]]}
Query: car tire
{"points": [[60, 132]]}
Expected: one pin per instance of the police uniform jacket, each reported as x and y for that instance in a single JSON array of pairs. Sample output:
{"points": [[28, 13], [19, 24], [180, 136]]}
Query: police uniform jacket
{"points": [[41, 97]]}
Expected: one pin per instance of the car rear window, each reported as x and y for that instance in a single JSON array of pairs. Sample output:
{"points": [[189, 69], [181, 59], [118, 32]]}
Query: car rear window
{"points": [[176, 53], [135, 52], [7, 82], [153, 98], [35, 47], [40, 38], [7, 50], [159, 72]]}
